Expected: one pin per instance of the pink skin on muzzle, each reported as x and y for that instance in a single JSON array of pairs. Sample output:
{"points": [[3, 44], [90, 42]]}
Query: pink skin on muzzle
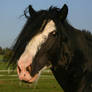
{"points": [[24, 69]]}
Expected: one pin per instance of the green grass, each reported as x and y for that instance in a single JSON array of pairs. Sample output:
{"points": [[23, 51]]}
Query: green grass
{"points": [[46, 83], [1, 57], [3, 65]]}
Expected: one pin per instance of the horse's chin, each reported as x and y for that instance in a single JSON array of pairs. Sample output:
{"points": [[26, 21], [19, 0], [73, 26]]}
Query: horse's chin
{"points": [[33, 79]]}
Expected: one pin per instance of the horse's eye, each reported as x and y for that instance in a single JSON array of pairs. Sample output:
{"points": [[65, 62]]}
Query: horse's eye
{"points": [[54, 33]]}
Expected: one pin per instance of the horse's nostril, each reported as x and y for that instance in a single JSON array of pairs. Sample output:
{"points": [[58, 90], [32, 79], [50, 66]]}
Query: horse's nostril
{"points": [[24, 74], [28, 68], [19, 69]]}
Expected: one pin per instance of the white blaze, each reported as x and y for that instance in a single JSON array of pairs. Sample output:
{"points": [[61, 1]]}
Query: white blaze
{"points": [[31, 49], [35, 44], [40, 38]]}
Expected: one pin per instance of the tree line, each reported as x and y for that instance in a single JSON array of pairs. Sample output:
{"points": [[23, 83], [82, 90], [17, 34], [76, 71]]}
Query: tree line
{"points": [[6, 53]]}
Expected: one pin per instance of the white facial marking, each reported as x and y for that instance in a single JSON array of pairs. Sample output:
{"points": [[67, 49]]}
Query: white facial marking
{"points": [[27, 57], [40, 38]]}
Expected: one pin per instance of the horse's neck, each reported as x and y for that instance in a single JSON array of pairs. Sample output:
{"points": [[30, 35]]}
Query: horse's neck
{"points": [[63, 79]]}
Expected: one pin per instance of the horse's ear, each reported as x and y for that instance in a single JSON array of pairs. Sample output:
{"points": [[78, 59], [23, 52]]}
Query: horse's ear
{"points": [[31, 10], [63, 12]]}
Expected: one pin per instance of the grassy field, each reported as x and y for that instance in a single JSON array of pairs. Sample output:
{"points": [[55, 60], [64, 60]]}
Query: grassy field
{"points": [[9, 82]]}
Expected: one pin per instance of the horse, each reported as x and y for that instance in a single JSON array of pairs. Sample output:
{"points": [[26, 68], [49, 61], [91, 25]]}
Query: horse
{"points": [[48, 40]]}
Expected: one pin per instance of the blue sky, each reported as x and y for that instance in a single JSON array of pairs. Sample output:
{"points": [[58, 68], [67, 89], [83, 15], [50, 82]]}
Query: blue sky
{"points": [[80, 15]]}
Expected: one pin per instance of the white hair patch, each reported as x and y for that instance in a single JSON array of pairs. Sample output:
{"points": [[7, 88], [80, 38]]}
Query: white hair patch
{"points": [[39, 39]]}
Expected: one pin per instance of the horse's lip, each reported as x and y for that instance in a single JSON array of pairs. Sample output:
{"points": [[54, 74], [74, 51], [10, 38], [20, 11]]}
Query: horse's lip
{"points": [[33, 79]]}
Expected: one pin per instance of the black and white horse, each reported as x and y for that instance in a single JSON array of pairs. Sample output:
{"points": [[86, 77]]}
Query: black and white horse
{"points": [[48, 39]]}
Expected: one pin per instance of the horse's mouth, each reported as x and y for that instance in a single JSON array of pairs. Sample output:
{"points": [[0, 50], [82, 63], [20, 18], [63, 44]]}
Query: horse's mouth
{"points": [[24, 74]]}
